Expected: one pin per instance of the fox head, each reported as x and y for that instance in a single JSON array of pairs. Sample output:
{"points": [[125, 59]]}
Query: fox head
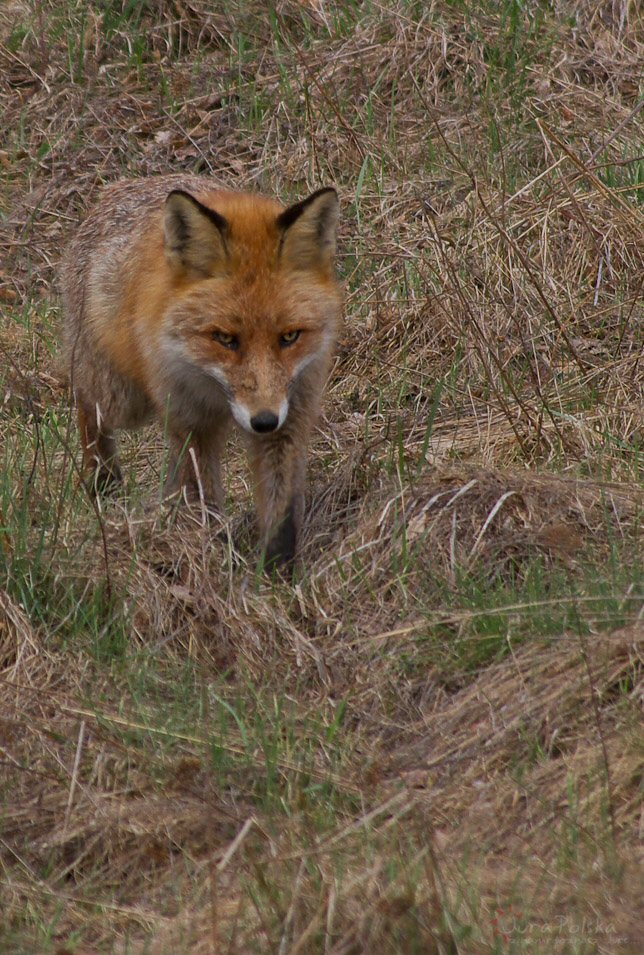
{"points": [[257, 303]]}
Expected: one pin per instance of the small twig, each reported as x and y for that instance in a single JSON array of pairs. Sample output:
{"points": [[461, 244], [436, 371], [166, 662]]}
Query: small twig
{"points": [[633, 113], [600, 732], [72, 788], [497, 507], [23, 63]]}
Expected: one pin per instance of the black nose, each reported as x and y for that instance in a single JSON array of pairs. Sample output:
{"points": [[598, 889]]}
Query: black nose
{"points": [[264, 421]]}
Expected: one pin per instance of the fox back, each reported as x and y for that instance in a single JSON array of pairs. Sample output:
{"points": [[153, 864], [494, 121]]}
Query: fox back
{"points": [[204, 307]]}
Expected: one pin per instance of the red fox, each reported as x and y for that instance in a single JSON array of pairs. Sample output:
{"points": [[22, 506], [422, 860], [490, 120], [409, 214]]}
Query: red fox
{"points": [[204, 307]]}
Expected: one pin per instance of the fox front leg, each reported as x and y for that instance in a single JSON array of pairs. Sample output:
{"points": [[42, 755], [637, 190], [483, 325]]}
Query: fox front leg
{"points": [[100, 456], [279, 468], [194, 468]]}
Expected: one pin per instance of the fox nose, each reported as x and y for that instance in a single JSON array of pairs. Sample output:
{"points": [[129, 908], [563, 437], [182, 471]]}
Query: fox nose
{"points": [[264, 421]]}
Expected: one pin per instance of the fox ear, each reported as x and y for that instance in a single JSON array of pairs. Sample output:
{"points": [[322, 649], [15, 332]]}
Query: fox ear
{"points": [[308, 231], [195, 236]]}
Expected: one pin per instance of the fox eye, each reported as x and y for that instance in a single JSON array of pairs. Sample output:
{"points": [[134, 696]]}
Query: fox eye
{"points": [[227, 340], [288, 338]]}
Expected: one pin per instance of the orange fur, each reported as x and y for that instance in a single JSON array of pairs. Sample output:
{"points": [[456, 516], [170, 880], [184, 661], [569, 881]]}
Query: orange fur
{"points": [[204, 307]]}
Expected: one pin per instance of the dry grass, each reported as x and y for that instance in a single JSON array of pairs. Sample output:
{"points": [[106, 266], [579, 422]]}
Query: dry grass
{"points": [[429, 742]]}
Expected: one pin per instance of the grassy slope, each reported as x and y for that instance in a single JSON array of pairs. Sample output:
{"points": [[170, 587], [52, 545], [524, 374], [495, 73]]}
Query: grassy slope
{"points": [[429, 744]]}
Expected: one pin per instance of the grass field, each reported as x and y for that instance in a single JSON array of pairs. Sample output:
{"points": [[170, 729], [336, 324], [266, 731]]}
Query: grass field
{"points": [[430, 741]]}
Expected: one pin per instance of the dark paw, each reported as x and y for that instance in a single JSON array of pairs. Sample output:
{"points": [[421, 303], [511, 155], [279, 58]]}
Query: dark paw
{"points": [[105, 481], [279, 553]]}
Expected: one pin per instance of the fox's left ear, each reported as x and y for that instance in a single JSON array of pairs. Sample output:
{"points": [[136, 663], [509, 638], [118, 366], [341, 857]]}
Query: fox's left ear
{"points": [[308, 231]]}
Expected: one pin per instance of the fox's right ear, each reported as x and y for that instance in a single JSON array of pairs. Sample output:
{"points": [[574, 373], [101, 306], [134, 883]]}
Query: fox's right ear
{"points": [[195, 236]]}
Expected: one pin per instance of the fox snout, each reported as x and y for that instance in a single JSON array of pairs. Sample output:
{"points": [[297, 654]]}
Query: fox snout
{"points": [[263, 421]]}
